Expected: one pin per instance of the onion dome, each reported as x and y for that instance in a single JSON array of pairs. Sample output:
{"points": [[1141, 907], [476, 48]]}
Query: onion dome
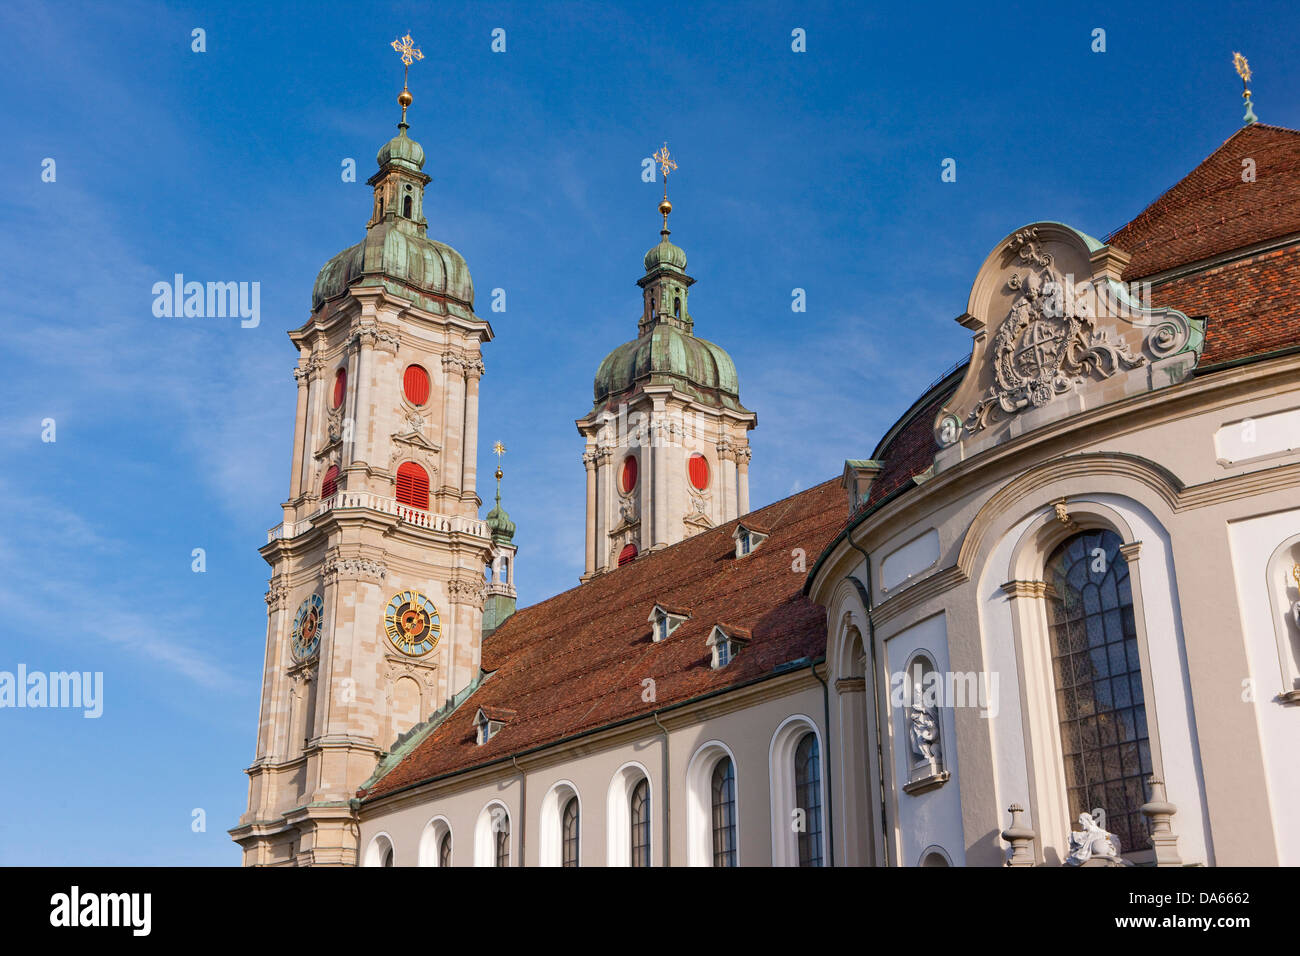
{"points": [[397, 252]]}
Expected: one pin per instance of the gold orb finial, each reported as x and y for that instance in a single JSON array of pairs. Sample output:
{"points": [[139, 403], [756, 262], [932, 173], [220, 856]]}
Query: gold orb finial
{"points": [[666, 166], [410, 53]]}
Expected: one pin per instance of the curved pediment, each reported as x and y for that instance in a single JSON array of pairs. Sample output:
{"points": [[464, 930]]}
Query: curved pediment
{"points": [[1057, 331]]}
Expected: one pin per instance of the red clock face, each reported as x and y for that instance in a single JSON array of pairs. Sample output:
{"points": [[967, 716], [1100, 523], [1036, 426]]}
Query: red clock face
{"points": [[698, 468], [627, 478]]}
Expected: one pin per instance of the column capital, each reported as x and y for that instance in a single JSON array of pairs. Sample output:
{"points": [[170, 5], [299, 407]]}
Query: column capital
{"points": [[1025, 589], [1130, 551]]}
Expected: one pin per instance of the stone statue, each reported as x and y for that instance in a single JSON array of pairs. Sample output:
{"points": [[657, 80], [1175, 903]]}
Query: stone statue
{"points": [[1091, 841], [923, 730]]}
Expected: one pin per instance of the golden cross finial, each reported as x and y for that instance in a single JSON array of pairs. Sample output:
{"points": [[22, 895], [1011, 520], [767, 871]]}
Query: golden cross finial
{"points": [[1242, 67], [1243, 70], [410, 53], [666, 165], [498, 449]]}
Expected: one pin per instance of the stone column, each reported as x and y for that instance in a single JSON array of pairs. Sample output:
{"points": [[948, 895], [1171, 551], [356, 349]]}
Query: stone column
{"points": [[727, 467], [604, 506], [314, 389], [353, 402], [453, 399], [296, 469], [589, 463], [469, 471], [742, 463], [662, 462]]}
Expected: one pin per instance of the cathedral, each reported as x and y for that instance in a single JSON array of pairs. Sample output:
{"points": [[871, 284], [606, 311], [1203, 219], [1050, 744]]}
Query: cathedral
{"points": [[1053, 618]]}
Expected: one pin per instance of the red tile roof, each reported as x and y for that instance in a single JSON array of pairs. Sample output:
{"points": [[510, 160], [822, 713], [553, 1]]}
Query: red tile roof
{"points": [[1251, 304], [578, 661], [1211, 210]]}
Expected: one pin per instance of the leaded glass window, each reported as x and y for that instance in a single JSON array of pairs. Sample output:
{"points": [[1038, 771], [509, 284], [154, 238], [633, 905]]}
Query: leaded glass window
{"points": [[502, 838], [1098, 674], [724, 813], [641, 823], [569, 833], [808, 797]]}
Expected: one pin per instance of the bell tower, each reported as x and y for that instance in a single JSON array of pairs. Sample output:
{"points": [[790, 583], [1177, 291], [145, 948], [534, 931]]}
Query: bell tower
{"points": [[375, 605], [667, 439]]}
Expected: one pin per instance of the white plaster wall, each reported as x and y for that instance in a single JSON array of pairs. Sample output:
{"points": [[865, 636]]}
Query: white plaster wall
{"points": [[934, 817], [1253, 542]]}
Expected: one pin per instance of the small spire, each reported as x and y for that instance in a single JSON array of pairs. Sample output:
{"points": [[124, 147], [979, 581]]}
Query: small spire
{"points": [[410, 52], [666, 166], [1243, 71], [498, 449]]}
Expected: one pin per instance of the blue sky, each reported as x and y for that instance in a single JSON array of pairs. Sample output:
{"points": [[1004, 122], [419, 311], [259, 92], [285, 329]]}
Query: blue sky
{"points": [[818, 170]]}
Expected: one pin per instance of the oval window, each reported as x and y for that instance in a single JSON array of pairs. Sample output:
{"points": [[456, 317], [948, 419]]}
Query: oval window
{"points": [[627, 554], [415, 383], [330, 484], [340, 386], [627, 481], [413, 485], [698, 467]]}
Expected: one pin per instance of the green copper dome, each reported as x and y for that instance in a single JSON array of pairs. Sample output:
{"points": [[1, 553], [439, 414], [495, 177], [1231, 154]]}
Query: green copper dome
{"points": [[666, 355], [503, 529], [665, 254], [403, 150], [397, 252]]}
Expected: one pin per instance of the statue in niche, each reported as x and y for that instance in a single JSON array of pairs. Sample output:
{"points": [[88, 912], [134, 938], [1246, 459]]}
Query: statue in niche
{"points": [[923, 731], [1295, 608], [1091, 841]]}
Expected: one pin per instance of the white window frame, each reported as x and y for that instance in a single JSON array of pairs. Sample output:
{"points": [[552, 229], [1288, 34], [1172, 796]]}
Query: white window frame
{"points": [[699, 802], [781, 773]]}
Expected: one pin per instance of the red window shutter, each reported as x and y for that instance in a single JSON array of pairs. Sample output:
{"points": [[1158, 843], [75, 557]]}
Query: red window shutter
{"points": [[331, 483], [627, 554], [628, 480], [413, 486], [415, 383], [340, 386], [699, 469]]}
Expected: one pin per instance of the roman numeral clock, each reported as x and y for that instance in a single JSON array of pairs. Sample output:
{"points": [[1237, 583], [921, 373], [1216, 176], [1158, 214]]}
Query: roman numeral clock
{"points": [[412, 623]]}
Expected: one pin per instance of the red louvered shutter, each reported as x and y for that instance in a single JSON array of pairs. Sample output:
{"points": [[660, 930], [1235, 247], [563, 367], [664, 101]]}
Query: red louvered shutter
{"points": [[628, 479], [699, 470], [331, 483], [627, 554], [340, 386], [415, 383], [413, 486]]}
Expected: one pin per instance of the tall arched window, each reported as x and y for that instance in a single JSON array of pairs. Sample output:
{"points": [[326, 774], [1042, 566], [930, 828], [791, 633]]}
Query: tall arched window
{"points": [[640, 811], [569, 833], [1100, 702], [406, 207], [502, 848], [444, 849], [724, 813], [808, 797], [413, 485]]}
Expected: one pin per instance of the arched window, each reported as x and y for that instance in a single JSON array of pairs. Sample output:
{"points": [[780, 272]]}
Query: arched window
{"points": [[677, 308], [487, 573], [503, 844], [406, 207], [340, 386], [415, 384], [627, 554], [1098, 675], [808, 797], [330, 484], [569, 833], [435, 843], [413, 485], [640, 816], [724, 813], [380, 851], [505, 570]]}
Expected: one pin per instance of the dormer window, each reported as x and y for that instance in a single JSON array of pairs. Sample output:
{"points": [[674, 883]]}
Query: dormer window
{"points": [[747, 538], [664, 620], [726, 641], [488, 721]]}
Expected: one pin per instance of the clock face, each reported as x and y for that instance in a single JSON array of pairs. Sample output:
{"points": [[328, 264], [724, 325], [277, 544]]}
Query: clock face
{"points": [[306, 627], [412, 623]]}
